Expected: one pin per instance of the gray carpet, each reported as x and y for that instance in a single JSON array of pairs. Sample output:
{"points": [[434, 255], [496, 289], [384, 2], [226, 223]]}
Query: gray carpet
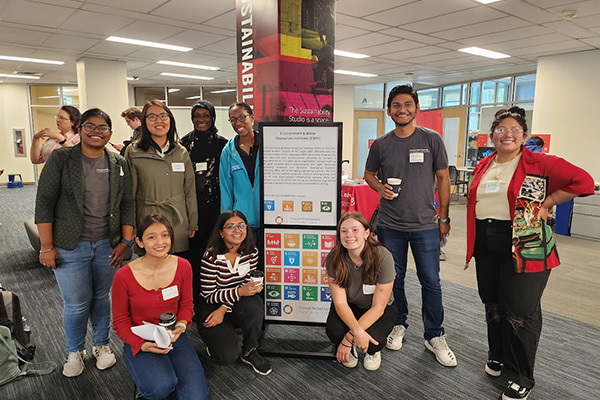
{"points": [[566, 366]]}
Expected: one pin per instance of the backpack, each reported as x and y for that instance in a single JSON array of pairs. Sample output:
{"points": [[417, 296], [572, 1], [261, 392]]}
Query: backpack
{"points": [[12, 318]]}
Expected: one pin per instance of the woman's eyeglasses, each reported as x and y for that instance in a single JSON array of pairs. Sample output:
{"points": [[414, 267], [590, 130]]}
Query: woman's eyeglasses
{"points": [[91, 128], [232, 227], [502, 131], [61, 118], [153, 117], [241, 118]]}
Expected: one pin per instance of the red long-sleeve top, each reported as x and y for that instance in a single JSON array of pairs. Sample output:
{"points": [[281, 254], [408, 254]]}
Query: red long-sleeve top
{"points": [[132, 304]]}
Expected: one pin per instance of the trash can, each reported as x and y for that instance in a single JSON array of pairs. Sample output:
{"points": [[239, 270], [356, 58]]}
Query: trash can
{"points": [[563, 218], [13, 183]]}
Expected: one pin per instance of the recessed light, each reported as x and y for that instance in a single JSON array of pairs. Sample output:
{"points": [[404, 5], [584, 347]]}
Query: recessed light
{"points": [[20, 76], [487, 1], [349, 54], [362, 74], [148, 44], [185, 65], [224, 91], [32, 60], [477, 51], [204, 78]]}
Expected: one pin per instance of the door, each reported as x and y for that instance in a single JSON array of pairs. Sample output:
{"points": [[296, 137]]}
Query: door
{"points": [[368, 126]]}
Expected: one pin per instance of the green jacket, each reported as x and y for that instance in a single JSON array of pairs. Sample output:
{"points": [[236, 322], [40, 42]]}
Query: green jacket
{"points": [[165, 186], [60, 196]]}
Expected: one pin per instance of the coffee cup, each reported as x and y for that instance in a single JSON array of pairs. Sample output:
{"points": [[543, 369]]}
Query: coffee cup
{"points": [[167, 320], [395, 184], [257, 276]]}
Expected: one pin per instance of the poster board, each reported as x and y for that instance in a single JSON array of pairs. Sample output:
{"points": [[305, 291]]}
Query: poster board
{"points": [[301, 198]]}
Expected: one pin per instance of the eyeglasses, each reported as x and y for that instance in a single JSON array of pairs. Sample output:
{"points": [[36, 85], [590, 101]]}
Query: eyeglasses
{"points": [[153, 117], [408, 104], [91, 128], [241, 118], [502, 131], [61, 118], [232, 227]]}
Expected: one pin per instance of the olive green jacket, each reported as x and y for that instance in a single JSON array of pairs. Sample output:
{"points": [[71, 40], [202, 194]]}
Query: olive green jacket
{"points": [[165, 186], [60, 196]]}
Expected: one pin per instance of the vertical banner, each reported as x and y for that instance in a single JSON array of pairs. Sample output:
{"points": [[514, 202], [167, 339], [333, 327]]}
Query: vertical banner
{"points": [[301, 197], [286, 59]]}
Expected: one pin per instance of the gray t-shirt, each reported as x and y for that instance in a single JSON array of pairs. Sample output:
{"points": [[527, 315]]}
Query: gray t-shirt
{"points": [[359, 294], [96, 198], [414, 160]]}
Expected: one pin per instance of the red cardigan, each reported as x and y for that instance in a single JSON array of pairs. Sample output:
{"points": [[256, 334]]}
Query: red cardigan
{"points": [[561, 174], [132, 304]]}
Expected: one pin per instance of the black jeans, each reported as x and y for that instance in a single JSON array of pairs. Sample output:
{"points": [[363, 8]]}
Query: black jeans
{"points": [[336, 328], [512, 301], [222, 340]]}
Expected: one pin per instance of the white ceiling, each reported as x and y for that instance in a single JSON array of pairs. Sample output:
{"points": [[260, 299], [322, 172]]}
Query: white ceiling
{"points": [[418, 37]]}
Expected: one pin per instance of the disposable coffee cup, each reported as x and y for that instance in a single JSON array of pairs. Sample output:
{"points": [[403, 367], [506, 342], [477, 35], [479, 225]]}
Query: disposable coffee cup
{"points": [[167, 320], [395, 184], [257, 276]]}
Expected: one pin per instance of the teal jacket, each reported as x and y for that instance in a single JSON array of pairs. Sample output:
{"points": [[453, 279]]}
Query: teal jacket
{"points": [[60, 196], [236, 191]]}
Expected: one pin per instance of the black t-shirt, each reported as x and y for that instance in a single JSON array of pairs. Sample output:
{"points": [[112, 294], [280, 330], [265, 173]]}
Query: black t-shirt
{"points": [[249, 160]]}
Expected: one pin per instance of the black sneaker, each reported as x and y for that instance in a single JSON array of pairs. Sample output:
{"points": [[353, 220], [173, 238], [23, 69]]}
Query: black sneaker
{"points": [[258, 362], [493, 368], [515, 392]]}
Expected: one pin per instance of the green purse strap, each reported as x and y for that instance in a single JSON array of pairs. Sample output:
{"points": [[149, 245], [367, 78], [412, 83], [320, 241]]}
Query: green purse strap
{"points": [[41, 368]]}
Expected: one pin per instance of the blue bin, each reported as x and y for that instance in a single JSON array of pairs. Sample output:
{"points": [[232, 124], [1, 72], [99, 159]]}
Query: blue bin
{"points": [[13, 183], [563, 218]]}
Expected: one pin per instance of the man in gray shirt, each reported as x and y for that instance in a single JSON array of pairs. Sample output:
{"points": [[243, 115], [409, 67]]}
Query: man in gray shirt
{"points": [[417, 156]]}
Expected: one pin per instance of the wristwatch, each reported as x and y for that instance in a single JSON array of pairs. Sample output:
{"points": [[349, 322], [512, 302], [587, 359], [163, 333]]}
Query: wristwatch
{"points": [[63, 141], [129, 243], [444, 220]]}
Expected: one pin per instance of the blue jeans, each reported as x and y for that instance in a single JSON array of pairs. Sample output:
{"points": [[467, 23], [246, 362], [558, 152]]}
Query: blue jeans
{"points": [[158, 375], [425, 246], [84, 279]]}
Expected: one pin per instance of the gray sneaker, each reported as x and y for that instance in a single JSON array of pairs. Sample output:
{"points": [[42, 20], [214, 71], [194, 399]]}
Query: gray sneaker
{"points": [[443, 354], [395, 338], [104, 357], [74, 365]]}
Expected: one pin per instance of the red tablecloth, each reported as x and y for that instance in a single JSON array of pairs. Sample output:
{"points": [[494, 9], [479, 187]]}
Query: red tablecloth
{"points": [[359, 198]]}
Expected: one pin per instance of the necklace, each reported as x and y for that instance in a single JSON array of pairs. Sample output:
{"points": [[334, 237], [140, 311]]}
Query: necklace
{"points": [[499, 174], [356, 267]]}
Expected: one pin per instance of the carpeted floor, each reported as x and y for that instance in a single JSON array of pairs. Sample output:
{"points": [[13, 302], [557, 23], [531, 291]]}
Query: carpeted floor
{"points": [[566, 365]]}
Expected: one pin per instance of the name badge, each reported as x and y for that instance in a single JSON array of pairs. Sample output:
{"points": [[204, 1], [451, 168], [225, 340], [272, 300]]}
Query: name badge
{"points": [[170, 293], [201, 166], [368, 289], [417, 157], [121, 172], [492, 187], [178, 167], [243, 269]]}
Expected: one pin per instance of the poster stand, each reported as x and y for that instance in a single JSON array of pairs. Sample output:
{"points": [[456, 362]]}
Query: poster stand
{"points": [[300, 208]]}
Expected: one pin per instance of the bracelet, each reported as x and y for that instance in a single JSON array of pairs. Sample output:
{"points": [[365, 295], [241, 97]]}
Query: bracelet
{"points": [[182, 325], [46, 251], [63, 141], [342, 343], [129, 243], [349, 341]]}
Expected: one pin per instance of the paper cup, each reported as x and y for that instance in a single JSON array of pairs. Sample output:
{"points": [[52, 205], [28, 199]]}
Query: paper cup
{"points": [[395, 184], [257, 276]]}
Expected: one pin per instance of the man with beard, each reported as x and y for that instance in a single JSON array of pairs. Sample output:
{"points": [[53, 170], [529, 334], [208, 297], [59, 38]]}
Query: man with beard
{"points": [[417, 156]]}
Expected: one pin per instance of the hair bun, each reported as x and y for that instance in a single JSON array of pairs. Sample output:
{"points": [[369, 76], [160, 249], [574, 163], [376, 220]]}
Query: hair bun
{"points": [[517, 110]]}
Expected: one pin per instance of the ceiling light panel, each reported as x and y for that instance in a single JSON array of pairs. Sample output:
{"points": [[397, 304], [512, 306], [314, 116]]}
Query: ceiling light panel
{"points": [[148, 44], [361, 74], [204, 78], [186, 65], [32, 60], [478, 51]]}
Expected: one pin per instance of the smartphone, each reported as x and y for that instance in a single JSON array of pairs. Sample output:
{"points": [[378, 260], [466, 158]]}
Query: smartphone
{"points": [[57, 262]]}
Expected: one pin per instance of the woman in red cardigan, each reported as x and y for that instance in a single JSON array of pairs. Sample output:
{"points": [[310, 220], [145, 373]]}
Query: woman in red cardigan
{"points": [[508, 202], [153, 284]]}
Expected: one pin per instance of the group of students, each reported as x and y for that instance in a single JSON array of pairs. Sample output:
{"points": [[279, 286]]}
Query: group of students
{"points": [[90, 199]]}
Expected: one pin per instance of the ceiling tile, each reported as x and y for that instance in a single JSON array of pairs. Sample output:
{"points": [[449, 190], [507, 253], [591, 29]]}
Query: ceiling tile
{"points": [[89, 22], [508, 35], [583, 8], [595, 42], [151, 32], [364, 41], [194, 11], [416, 37], [227, 46], [359, 23], [419, 10], [409, 55], [501, 25], [196, 39], [140, 6], [525, 41], [392, 47], [591, 21], [35, 14], [110, 48], [528, 12], [455, 20], [69, 42], [566, 46], [22, 36], [343, 32], [226, 20], [362, 8], [570, 29]]}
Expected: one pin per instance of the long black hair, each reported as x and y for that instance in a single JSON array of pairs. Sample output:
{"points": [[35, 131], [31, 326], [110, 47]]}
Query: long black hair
{"points": [[216, 244], [146, 141]]}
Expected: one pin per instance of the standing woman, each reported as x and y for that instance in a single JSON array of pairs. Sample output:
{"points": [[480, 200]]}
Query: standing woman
{"points": [[239, 171], [230, 299], [153, 284], [163, 175], [508, 202], [67, 122], [85, 215], [361, 276], [204, 146]]}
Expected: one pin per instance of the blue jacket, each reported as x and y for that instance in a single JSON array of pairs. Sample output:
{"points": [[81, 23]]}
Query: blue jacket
{"points": [[236, 191]]}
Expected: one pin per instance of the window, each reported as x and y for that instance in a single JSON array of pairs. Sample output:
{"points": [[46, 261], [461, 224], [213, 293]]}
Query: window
{"points": [[429, 98], [369, 96], [524, 87], [454, 95], [475, 93], [145, 94], [220, 96], [183, 97]]}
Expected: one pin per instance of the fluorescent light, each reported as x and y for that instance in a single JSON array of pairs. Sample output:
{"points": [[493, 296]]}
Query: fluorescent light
{"points": [[483, 52], [174, 90], [364, 75], [224, 91], [48, 97], [179, 64], [33, 60], [193, 97], [20, 76], [205, 78], [487, 1], [148, 44], [349, 54], [133, 78]]}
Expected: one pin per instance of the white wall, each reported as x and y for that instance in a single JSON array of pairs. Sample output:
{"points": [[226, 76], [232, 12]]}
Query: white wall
{"points": [[14, 113], [567, 103], [343, 111]]}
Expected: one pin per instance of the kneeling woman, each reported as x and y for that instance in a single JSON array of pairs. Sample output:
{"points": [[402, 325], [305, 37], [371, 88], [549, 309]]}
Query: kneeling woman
{"points": [[155, 283], [231, 299], [361, 275]]}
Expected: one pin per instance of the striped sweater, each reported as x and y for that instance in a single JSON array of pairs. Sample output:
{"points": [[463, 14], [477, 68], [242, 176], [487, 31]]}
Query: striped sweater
{"points": [[220, 279]]}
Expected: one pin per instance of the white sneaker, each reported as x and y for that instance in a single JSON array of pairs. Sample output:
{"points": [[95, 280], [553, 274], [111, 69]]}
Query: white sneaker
{"points": [[104, 357], [74, 365], [394, 339], [372, 362], [352, 359], [443, 354]]}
